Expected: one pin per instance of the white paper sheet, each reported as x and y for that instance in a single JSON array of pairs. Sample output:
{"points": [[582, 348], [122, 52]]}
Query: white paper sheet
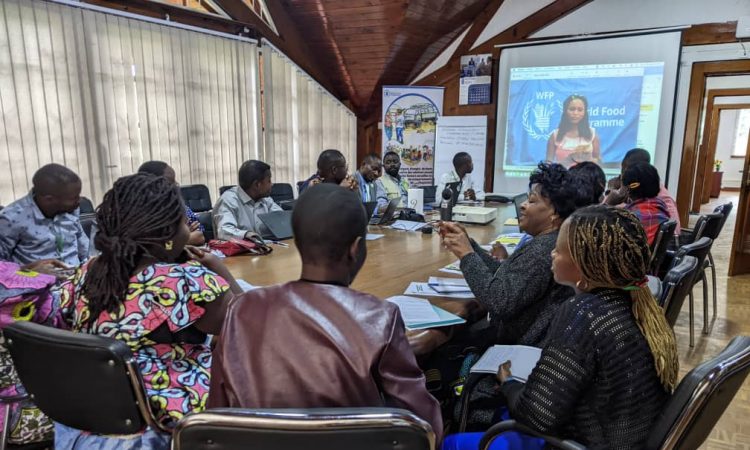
{"points": [[522, 359], [416, 288], [414, 310]]}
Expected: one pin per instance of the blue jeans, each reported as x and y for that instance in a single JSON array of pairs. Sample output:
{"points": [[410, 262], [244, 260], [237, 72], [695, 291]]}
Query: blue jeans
{"points": [[71, 439]]}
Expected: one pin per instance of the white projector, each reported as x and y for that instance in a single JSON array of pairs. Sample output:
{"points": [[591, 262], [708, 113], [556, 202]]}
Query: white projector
{"points": [[474, 214]]}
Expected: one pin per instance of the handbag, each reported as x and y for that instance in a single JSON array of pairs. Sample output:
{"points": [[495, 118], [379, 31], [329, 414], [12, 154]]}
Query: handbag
{"points": [[254, 246]]}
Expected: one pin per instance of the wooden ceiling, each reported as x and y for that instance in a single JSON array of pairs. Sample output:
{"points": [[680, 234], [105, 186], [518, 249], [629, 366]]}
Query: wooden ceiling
{"points": [[365, 44]]}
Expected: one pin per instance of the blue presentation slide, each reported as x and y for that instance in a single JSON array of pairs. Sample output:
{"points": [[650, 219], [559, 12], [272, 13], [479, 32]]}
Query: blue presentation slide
{"points": [[570, 114]]}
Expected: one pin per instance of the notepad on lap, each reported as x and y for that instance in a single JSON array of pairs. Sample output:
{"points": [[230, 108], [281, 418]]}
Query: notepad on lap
{"points": [[522, 358], [419, 314]]}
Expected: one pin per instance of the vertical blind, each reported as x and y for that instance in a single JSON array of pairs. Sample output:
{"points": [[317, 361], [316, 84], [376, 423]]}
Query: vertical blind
{"points": [[301, 120], [101, 94]]}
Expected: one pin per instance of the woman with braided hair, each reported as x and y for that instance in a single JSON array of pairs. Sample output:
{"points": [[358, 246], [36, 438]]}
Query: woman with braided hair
{"points": [[610, 361], [139, 291]]}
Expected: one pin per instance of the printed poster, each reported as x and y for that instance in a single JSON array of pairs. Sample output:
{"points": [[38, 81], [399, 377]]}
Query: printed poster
{"points": [[409, 118], [475, 80]]}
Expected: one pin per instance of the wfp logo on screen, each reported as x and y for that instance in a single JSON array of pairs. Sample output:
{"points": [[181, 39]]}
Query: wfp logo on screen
{"points": [[537, 115]]}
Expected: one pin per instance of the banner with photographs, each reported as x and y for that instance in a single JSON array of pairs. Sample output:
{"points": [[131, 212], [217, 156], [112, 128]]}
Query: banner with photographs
{"points": [[410, 114], [475, 84]]}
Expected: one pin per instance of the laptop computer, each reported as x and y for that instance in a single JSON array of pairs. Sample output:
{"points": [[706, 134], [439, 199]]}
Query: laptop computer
{"points": [[370, 208], [279, 223], [387, 216]]}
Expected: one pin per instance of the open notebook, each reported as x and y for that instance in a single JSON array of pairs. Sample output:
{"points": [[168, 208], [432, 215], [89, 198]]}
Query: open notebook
{"points": [[522, 359], [420, 314]]}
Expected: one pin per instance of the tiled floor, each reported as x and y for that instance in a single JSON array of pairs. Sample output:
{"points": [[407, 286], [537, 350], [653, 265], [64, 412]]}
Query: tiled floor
{"points": [[733, 318]]}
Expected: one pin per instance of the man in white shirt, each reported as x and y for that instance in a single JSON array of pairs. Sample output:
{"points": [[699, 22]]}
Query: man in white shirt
{"points": [[462, 168], [235, 215]]}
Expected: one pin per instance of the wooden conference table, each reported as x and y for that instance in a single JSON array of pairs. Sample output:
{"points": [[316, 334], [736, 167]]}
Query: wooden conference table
{"points": [[393, 261]]}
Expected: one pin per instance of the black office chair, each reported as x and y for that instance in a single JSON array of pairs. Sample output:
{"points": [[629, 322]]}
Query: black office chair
{"points": [[198, 198], [712, 230], [283, 195], [429, 194], [87, 223], [292, 429], [87, 382], [690, 414], [86, 207], [676, 287], [223, 189], [664, 238], [698, 249]]}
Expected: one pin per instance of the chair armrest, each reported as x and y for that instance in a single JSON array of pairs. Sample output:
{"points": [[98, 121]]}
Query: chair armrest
{"points": [[10, 399], [512, 425]]}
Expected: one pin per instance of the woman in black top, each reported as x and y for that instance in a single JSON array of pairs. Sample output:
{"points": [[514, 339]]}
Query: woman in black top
{"points": [[518, 290], [610, 361]]}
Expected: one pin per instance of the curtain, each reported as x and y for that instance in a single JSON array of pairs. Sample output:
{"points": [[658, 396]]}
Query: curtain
{"points": [[102, 93], [302, 119]]}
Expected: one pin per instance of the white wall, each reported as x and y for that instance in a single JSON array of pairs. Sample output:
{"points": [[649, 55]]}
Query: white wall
{"points": [[724, 146], [616, 15]]}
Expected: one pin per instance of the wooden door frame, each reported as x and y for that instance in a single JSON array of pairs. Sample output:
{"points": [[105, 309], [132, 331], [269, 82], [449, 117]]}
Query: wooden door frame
{"points": [[738, 239], [707, 152], [712, 141], [698, 75]]}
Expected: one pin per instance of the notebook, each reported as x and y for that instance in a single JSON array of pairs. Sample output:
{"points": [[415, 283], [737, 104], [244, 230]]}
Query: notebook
{"points": [[420, 314], [522, 359]]}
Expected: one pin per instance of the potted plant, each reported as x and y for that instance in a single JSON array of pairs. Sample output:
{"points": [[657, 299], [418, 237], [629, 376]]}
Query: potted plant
{"points": [[716, 182]]}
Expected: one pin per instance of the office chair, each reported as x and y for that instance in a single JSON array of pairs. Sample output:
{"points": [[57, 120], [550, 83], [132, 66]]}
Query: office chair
{"points": [[676, 287], [689, 415], [87, 382], [293, 429]]}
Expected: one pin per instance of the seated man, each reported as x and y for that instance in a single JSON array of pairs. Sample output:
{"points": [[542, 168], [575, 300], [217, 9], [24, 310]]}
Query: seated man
{"points": [[370, 170], [462, 168], [331, 169], [320, 343], [235, 215], [45, 224], [392, 185], [618, 194]]}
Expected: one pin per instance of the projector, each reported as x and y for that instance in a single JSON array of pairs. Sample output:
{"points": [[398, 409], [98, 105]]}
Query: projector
{"points": [[474, 214]]}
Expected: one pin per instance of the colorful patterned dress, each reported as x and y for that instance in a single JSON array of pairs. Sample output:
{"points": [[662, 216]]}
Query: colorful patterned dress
{"points": [[176, 375], [24, 296]]}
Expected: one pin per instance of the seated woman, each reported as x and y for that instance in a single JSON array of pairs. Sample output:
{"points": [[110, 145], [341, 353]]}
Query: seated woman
{"points": [[26, 295], [518, 290], [138, 292], [162, 169], [610, 361], [642, 181]]}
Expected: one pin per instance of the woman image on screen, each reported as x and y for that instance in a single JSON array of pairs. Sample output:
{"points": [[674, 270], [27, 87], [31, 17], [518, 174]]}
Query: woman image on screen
{"points": [[574, 140]]}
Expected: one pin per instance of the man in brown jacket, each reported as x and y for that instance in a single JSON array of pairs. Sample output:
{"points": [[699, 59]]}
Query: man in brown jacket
{"points": [[315, 342]]}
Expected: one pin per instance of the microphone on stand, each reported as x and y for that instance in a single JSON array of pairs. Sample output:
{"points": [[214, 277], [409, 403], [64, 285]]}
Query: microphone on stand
{"points": [[446, 206]]}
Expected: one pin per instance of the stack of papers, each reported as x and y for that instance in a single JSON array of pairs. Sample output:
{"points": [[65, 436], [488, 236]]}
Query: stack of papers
{"points": [[419, 314], [511, 221], [373, 236], [449, 285], [425, 289], [522, 359], [407, 225], [454, 268]]}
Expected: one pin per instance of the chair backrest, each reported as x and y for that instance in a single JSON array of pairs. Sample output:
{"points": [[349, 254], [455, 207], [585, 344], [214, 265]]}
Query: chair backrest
{"points": [[207, 220], [724, 210], [698, 249], [676, 286], [197, 197], [292, 429], [86, 207], [664, 236], [282, 192], [87, 382], [701, 398], [713, 225], [223, 189], [88, 221], [429, 194]]}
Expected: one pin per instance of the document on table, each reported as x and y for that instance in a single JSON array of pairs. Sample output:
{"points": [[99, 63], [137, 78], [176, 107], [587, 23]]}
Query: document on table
{"points": [[245, 285], [511, 222], [407, 225], [373, 236], [454, 268], [522, 359], [416, 288], [448, 285], [509, 240], [419, 314]]}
